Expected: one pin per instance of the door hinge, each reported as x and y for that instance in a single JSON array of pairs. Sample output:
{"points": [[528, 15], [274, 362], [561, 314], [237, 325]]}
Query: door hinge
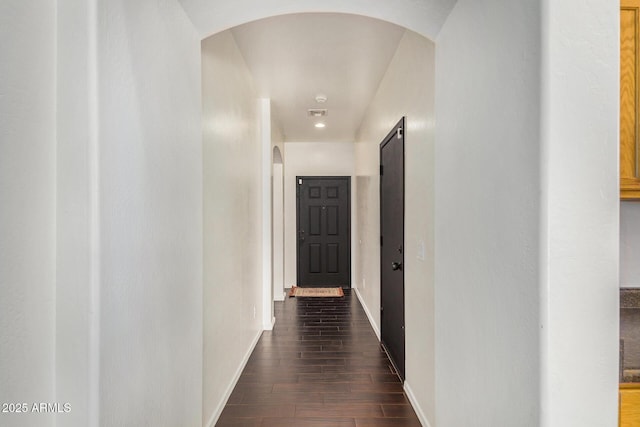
{"points": [[399, 133], [381, 170]]}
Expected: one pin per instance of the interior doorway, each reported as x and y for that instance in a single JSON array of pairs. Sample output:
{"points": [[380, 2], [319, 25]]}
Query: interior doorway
{"points": [[392, 332], [323, 219]]}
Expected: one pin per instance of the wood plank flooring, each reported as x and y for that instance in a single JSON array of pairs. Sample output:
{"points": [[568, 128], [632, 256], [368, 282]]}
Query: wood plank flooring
{"points": [[322, 365]]}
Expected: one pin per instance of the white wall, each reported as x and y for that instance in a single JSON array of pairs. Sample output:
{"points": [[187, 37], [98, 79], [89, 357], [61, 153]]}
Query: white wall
{"points": [[150, 198], [580, 213], [629, 244], [27, 200], [77, 284], [310, 159], [527, 214], [407, 89], [266, 225], [487, 207], [232, 219]]}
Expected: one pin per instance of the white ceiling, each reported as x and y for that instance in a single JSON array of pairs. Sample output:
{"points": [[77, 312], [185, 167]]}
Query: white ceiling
{"points": [[295, 57]]}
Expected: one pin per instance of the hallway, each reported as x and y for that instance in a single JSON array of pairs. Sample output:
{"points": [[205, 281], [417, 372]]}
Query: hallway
{"points": [[137, 223], [322, 365]]}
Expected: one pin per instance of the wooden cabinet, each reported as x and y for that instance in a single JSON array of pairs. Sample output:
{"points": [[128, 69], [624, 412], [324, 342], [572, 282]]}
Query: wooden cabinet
{"points": [[629, 99], [629, 405]]}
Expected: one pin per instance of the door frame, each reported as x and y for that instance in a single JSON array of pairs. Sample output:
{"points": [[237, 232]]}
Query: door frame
{"points": [[346, 178], [388, 138], [277, 226]]}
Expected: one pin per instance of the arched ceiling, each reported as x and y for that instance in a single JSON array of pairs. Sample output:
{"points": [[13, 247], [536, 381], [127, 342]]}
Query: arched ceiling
{"points": [[297, 49], [425, 17], [294, 58]]}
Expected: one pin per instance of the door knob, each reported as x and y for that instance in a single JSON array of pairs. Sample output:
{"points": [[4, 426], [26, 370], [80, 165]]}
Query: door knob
{"points": [[396, 266]]}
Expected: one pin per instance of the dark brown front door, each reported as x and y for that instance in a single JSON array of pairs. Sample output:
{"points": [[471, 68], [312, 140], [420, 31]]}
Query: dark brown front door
{"points": [[392, 245], [324, 231]]}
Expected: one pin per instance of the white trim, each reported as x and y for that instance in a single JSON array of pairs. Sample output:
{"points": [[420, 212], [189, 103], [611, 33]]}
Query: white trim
{"points": [[269, 326], [218, 411], [416, 407], [280, 298], [277, 239], [264, 109], [368, 313]]}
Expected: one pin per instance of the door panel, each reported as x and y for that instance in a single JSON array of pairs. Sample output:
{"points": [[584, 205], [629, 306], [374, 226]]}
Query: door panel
{"points": [[324, 231], [392, 246]]}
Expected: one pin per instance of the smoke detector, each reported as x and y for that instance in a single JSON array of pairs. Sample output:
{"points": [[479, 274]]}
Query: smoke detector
{"points": [[321, 99], [317, 112]]}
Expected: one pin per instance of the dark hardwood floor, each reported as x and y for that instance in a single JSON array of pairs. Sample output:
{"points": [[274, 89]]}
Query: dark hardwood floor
{"points": [[322, 365]]}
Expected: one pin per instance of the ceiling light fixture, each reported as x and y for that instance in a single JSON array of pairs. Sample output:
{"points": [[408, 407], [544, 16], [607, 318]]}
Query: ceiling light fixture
{"points": [[321, 99], [320, 125], [317, 112]]}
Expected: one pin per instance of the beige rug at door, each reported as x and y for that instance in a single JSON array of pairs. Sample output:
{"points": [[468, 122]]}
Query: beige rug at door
{"points": [[315, 292]]}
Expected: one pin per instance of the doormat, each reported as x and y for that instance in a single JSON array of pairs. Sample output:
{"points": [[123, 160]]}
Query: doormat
{"points": [[315, 292]]}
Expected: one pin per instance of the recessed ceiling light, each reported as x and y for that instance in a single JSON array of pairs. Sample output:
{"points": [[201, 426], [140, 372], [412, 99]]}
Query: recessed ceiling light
{"points": [[320, 98], [320, 125]]}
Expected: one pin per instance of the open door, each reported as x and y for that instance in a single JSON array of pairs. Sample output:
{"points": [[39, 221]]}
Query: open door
{"points": [[392, 246]]}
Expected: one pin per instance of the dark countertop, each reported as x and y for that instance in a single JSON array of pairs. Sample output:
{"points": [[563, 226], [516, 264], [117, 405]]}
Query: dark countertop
{"points": [[630, 335]]}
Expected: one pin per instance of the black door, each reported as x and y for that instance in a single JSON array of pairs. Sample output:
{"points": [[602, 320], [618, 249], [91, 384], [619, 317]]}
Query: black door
{"points": [[392, 245], [324, 231]]}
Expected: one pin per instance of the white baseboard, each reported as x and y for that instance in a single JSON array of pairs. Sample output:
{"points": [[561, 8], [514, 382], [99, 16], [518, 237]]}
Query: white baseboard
{"points": [[416, 407], [277, 297], [366, 310], [269, 325], [218, 411], [407, 388]]}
